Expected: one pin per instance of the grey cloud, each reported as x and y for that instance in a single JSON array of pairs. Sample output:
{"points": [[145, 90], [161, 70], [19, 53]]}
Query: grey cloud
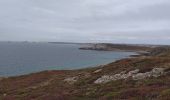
{"points": [[128, 21]]}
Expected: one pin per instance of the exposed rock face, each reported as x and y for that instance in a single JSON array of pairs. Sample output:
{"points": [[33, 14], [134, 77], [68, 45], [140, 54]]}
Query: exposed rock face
{"points": [[156, 72]]}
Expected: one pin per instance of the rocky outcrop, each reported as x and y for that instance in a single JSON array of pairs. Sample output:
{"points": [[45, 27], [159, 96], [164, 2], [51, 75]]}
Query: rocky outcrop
{"points": [[134, 74], [97, 71], [156, 72], [71, 80]]}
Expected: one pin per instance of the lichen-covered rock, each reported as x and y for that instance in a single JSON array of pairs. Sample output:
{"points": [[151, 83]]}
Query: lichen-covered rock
{"points": [[97, 71], [71, 80], [155, 72], [121, 75], [140, 76], [133, 72], [103, 79]]}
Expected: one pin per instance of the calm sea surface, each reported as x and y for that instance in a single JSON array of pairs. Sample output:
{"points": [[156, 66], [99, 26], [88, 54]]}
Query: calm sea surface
{"points": [[25, 58]]}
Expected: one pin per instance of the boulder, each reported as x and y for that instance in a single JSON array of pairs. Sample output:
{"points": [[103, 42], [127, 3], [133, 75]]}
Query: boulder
{"points": [[156, 72]]}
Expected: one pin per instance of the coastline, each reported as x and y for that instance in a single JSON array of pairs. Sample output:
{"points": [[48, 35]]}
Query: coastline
{"points": [[135, 54], [56, 61], [126, 78], [86, 67], [139, 53]]}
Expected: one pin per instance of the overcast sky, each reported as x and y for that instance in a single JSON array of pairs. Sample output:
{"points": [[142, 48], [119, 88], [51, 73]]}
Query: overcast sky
{"points": [[117, 21]]}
